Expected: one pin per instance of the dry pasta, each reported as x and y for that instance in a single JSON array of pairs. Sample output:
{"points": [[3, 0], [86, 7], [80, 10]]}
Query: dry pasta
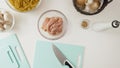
{"points": [[24, 5]]}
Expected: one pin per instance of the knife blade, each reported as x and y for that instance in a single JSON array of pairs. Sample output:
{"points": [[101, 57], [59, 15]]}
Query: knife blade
{"points": [[63, 60]]}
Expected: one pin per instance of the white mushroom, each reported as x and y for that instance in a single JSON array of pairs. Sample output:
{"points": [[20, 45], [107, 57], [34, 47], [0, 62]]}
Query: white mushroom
{"points": [[94, 5], [81, 3]]}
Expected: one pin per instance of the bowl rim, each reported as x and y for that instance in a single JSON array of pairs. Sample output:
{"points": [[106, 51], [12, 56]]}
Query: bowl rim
{"points": [[43, 15]]}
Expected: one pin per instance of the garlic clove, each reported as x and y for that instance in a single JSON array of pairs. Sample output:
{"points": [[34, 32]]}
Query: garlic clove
{"points": [[7, 17], [1, 27], [1, 16], [7, 22], [1, 24], [3, 12], [7, 27], [1, 20]]}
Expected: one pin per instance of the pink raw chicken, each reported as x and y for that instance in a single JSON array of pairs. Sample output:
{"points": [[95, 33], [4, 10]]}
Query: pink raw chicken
{"points": [[53, 25]]}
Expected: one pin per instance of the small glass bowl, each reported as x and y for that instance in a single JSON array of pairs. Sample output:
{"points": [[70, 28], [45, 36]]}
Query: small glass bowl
{"points": [[12, 23], [52, 13], [12, 7]]}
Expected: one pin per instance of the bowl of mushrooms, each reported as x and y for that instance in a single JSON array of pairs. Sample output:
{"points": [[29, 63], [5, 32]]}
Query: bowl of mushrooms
{"points": [[90, 7], [6, 20]]}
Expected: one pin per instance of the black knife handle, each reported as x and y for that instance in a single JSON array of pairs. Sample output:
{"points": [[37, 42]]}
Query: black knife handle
{"points": [[115, 24], [68, 64]]}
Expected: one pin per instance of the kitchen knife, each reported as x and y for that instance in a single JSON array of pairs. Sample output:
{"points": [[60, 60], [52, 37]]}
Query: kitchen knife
{"points": [[63, 60]]}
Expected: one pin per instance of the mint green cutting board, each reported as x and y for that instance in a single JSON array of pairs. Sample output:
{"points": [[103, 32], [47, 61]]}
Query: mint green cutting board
{"points": [[45, 57], [11, 53]]}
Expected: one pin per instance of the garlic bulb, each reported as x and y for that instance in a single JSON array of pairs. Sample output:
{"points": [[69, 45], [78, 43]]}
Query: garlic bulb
{"points": [[1, 16]]}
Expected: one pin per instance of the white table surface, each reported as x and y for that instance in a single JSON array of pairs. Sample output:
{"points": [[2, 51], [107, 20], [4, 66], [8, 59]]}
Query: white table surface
{"points": [[102, 49]]}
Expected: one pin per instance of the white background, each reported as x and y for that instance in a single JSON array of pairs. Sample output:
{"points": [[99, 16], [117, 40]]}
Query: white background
{"points": [[102, 49]]}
